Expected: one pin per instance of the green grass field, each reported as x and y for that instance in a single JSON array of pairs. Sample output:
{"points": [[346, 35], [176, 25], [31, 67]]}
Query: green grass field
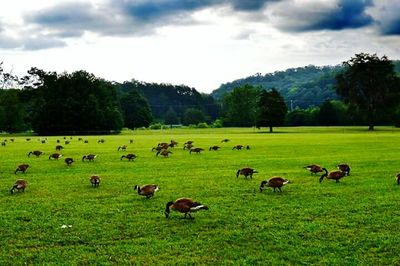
{"points": [[352, 222]]}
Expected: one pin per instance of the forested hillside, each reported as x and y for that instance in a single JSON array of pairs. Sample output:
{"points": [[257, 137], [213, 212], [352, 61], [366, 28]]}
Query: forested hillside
{"points": [[163, 97], [303, 86]]}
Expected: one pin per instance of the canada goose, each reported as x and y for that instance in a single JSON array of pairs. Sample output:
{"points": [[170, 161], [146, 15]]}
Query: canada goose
{"points": [[173, 143], [214, 148], [36, 153], [225, 140], [122, 148], [164, 153], [95, 180], [59, 147], [187, 146], [21, 168], [146, 190], [163, 145], [158, 148], [131, 141], [398, 178], [246, 172], [189, 142], [85, 141], [101, 141], [274, 182], [344, 167], [89, 157], [196, 150], [314, 168], [69, 161], [237, 147], [248, 147], [55, 156], [335, 175], [184, 205], [19, 185], [129, 156], [67, 142]]}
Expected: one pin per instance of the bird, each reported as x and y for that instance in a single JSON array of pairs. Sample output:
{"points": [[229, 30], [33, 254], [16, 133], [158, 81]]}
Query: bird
{"points": [[164, 153], [314, 168], [36, 153], [246, 172], [69, 161], [147, 190], [129, 156], [55, 156], [184, 205], [344, 167], [196, 150], [224, 140], [398, 178], [21, 168], [89, 157], [95, 180], [214, 148], [274, 182], [19, 185], [238, 147], [334, 175]]}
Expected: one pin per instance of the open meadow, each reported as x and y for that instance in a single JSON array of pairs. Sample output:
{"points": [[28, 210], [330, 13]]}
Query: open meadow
{"points": [[355, 221]]}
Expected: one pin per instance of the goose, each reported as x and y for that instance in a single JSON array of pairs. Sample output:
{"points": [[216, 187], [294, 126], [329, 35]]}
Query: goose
{"points": [[147, 190], [274, 182], [184, 205]]}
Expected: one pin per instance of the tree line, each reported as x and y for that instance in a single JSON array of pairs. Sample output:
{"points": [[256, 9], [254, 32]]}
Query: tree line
{"points": [[366, 93]]}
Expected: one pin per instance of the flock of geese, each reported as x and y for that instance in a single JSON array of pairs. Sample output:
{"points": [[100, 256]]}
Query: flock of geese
{"points": [[184, 205]]}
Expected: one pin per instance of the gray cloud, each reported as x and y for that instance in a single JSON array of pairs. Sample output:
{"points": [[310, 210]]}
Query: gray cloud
{"points": [[387, 16], [312, 16]]}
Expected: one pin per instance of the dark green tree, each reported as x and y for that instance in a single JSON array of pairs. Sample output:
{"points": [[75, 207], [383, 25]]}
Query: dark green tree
{"points": [[368, 84], [136, 110], [171, 117], [193, 116], [271, 109], [240, 106], [73, 103]]}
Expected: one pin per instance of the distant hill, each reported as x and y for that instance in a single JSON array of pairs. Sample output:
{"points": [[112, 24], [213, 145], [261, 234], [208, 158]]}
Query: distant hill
{"points": [[302, 86]]}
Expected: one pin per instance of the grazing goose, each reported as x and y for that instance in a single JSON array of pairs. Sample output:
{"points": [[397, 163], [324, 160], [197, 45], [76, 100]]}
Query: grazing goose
{"points": [[19, 185], [314, 168], [334, 175], [246, 172], [184, 205], [275, 182], [146, 190]]}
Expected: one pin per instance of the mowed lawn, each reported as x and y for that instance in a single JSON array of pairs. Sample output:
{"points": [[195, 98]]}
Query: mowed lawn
{"points": [[352, 222]]}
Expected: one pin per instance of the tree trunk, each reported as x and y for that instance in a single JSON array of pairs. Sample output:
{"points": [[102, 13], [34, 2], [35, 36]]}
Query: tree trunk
{"points": [[270, 129], [371, 117]]}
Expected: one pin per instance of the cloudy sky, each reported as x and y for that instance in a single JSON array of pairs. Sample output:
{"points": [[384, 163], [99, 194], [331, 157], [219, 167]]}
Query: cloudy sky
{"points": [[199, 43]]}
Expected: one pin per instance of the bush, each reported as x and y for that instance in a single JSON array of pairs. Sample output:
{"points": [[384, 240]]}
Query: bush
{"points": [[156, 126], [202, 125], [217, 123]]}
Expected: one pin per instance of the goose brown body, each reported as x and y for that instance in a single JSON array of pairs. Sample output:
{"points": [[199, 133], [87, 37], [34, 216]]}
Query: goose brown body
{"points": [[164, 153], [55, 156], [187, 146], [314, 168], [129, 156], [334, 175], [196, 150], [19, 185], [237, 147], [36, 153], [147, 190], [246, 172], [89, 157], [344, 167], [59, 148], [214, 148], [398, 178], [122, 148], [225, 140], [275, 182], [95, 180], [69, 161], [184, 205], [21, 168]]}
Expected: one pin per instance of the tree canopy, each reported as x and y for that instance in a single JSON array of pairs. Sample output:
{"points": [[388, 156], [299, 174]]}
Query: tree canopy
{"points": [[368, 83], [271, 109], [136, 110]]}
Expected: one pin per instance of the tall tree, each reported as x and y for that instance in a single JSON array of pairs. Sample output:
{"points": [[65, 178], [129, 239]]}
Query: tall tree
{"points": [[171, 117], [240, 106], [78, 102], [193, 116], [271, 109], [369, 84], [136, 110]]}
